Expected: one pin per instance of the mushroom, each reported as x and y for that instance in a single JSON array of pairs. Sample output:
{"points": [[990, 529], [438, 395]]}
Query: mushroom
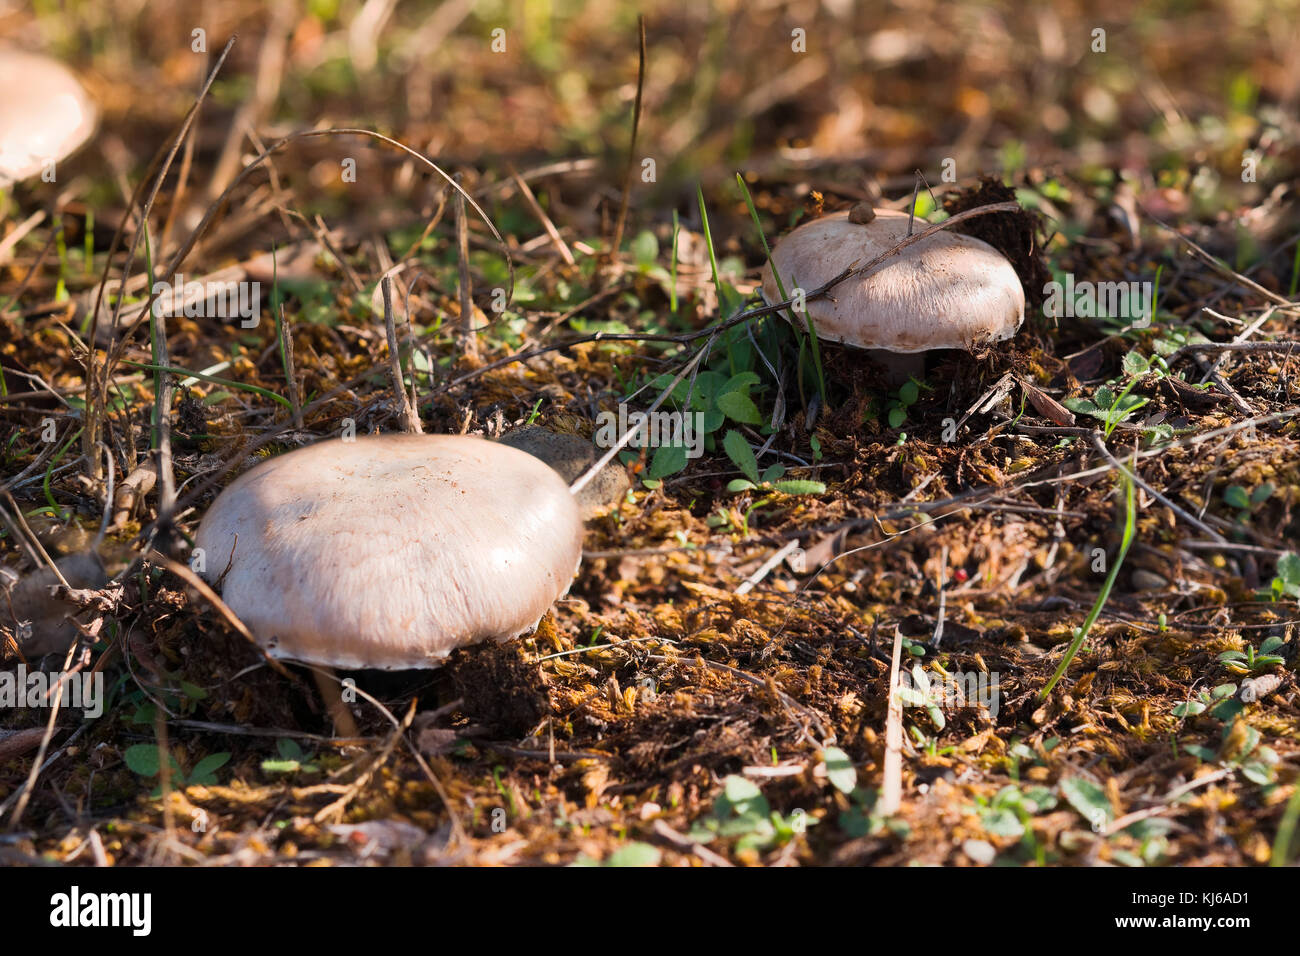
{"points": [[389, 552], [39, 619], [950, 291], [44, 114], [570, 456]]}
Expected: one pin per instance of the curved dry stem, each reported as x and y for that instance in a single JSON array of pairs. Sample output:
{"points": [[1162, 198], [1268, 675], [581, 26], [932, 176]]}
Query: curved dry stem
{"points": [[94, 400], [179, 257]]}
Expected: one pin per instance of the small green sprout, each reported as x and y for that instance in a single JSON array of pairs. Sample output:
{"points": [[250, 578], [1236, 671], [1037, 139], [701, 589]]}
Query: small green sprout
{"points": [[143, 759], [632, 853], [741, 811], [1247, 502], [1241, 749], [1287, 582], [901, 401], [1206, 699], [771, 479], [291, 759], [1251, 661]]}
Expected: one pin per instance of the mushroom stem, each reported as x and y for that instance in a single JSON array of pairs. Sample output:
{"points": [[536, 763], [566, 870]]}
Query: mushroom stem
{"points": [[328, 685], [899, 366]]}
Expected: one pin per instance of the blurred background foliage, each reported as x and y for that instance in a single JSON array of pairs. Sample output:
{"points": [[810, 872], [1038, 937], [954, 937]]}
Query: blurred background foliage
{"points": [[1182, 91]]}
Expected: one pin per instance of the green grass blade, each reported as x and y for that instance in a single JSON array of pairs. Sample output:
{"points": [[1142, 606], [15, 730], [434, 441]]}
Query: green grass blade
{"points": [[1295, 272], [708, 240], [277, 314], [90, 241], [814, 342], [153, 339], [672, 290], [723, 300], [1130, 521], [228, 383], [1286, 827], [49, 472]]}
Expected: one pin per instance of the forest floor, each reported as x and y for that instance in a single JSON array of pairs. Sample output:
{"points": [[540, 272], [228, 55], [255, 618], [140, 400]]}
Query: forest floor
{"points": [[1134, 482]]}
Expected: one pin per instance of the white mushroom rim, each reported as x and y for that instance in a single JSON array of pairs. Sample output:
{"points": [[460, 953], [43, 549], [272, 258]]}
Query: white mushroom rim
{"points": [[391, 551]]}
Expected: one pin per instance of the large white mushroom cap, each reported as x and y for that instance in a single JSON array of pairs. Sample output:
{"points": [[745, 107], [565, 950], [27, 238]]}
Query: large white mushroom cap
{"points": [[44, 113], [947, 291], [391, 551]]}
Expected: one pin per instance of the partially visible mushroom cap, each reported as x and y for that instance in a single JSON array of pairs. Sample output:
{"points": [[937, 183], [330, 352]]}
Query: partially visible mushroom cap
{"points": [[44, 113], [947, 291], [48, 629], [389, 552], [571, 456]]}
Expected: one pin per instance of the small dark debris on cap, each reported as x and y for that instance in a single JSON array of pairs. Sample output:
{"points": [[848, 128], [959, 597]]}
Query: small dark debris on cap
{"points": [[862, 213]]}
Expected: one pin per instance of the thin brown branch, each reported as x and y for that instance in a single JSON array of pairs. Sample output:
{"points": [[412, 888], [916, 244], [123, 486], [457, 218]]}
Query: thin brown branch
{"points": [[631, 149], [468, 338]]}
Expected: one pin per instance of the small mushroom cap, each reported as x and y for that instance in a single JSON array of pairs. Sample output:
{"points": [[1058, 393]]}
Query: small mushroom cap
{"points": [[948, 291], [44, 113], [30, 600], [391, 551]]}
